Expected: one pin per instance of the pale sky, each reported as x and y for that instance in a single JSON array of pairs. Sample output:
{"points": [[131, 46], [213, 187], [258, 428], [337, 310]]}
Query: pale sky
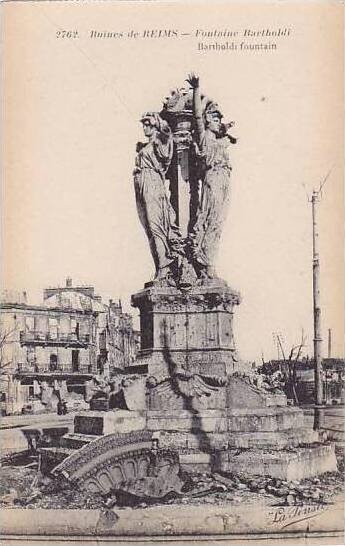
{"points": [[72, 110]]}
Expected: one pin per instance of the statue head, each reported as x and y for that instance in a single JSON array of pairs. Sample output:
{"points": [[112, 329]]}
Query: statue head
{"points": [[149, 123], [213, 118], [152, 122]]}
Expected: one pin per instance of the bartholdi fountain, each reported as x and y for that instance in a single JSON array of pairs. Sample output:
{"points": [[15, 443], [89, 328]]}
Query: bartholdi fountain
{"points": [[196, 409]]}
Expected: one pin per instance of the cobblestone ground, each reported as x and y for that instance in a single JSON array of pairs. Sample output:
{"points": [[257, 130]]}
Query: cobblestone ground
{"points": [[22, 487]]}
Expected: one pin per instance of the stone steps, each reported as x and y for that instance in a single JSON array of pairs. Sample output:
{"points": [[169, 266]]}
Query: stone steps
{"points": [[294, 464], [239, 420], [264, 419], [275, 440]]}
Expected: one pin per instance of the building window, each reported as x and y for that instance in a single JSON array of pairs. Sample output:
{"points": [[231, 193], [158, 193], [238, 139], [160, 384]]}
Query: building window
{"points": [[30, 324], [31, 356], [103, 340], [75, 360], [53, 361], [100, 365], [75, 328], [53, 328]]}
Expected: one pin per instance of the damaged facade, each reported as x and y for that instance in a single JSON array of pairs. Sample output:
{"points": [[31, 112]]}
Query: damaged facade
{"points": [[50, 351]]}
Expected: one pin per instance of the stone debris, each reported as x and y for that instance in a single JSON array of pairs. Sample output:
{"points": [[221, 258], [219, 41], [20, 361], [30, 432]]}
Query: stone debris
{"points": [[29, 499], [290, 500], [10, 497], [314, 490], [24, 488]]}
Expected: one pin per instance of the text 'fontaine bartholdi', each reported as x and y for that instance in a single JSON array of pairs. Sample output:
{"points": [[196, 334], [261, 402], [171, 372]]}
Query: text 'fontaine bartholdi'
{"points": [[154, 33]]}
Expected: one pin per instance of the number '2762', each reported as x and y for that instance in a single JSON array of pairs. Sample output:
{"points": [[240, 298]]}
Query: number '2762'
{"points": [[67, 34]]}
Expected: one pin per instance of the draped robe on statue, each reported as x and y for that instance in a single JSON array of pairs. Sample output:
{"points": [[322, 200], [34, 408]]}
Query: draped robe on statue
{"points": [[214, 198], [154, 208]]}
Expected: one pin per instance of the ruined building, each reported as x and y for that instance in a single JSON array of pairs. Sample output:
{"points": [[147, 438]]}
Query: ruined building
{"points": [[55, 348]]}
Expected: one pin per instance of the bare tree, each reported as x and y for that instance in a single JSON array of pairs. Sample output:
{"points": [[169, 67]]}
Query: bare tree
{"points": [[290, 364], [5, 339], [287, 365]]}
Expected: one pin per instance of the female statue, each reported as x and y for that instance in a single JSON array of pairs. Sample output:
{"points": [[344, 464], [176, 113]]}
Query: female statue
{"points": [[212, 143], [154, 208]]}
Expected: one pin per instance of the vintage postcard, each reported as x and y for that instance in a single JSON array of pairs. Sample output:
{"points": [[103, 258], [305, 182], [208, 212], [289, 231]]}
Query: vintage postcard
{"points": [[172, 290]]}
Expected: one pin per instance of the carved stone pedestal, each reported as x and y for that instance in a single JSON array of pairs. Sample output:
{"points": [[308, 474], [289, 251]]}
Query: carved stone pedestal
{"points": [[187, 332]]}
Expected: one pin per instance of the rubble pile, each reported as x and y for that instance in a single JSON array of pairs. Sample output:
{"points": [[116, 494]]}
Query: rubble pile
{"points": [[309, 491], [23, 487]]}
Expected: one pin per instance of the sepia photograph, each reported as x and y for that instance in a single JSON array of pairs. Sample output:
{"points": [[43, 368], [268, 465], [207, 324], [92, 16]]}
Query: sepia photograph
{"points": [[172, 357]]}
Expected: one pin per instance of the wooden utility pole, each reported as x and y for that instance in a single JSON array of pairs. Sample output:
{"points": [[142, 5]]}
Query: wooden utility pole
{"points": [[317, 317], [329, 343]]}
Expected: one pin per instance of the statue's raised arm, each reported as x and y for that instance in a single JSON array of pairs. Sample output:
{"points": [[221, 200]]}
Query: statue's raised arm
{"points": [[193, 81]]}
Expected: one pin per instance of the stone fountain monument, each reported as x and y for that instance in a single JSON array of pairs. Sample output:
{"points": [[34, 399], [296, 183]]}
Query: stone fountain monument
{"points": [[198, 409]]}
